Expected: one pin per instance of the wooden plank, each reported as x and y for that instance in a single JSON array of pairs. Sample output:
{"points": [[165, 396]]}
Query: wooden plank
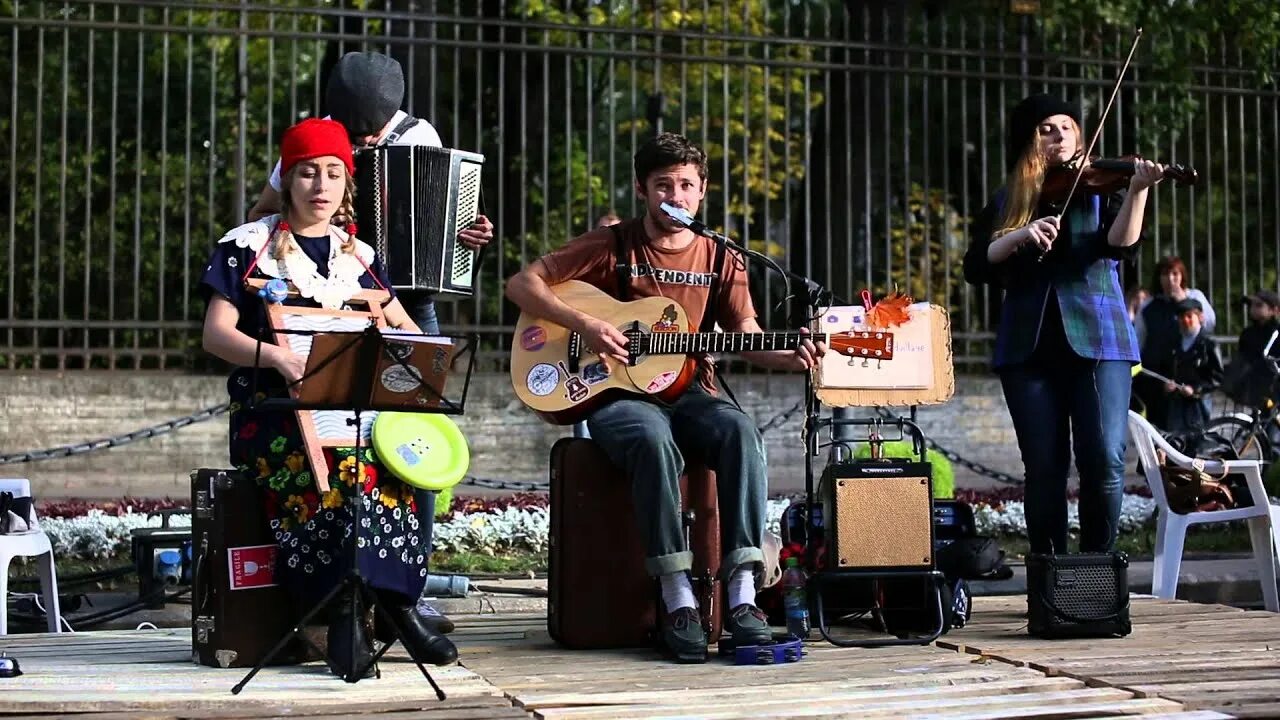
{"points": [[1065, 704], [766, 699]]}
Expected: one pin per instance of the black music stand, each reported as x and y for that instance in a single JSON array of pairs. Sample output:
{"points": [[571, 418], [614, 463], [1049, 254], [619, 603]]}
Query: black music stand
{"points": [[369, 347]]}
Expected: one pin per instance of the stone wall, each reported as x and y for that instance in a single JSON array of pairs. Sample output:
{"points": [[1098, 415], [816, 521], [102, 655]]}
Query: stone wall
{"points": [[43, 410]]}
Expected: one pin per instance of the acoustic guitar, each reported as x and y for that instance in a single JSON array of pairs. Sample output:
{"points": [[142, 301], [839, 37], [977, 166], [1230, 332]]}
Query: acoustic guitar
{"points": [[557, 376]]}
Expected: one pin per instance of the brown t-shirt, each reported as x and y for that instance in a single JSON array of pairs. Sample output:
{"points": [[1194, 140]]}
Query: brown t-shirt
{"points": [[681, 275]]}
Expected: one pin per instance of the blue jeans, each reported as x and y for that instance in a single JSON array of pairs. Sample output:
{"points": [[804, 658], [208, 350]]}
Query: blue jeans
{"points": [[422, 309], [645, 440], [1061, 400]]}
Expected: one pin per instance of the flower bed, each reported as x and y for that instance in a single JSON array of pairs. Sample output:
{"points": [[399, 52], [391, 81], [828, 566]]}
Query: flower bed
{"points": [[491, 526]]}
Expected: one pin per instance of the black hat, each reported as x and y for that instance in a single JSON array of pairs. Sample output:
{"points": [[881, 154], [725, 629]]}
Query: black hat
{"points": [[364, 92], [1186, 305], [1027, 115], [1263, 296]]}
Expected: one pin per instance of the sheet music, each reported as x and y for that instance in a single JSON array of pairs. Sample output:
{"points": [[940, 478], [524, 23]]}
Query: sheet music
{"points": [[330, 424]]}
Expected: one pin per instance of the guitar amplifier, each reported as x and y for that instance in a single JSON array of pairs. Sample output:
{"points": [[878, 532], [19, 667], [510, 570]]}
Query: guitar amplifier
{"points": [[410, 203], [879, 515], [238, 612]]}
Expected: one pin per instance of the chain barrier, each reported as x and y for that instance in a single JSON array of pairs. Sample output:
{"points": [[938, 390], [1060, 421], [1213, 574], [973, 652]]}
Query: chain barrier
{"points": [[87, 447], [773, 423], [955, 458]]}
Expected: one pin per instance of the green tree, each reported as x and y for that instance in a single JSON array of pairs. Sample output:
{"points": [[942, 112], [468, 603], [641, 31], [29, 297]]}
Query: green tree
{"points": [[122, 235]]}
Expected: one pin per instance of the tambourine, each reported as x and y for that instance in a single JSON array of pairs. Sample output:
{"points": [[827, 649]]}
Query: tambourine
{"points": [[425, 450]]}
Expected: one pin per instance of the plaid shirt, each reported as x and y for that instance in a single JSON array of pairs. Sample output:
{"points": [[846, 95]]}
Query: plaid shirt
{"points": [[1081, 270]]}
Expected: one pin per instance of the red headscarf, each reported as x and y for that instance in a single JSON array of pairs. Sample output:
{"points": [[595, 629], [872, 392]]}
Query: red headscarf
{"points": [[313, 138]]}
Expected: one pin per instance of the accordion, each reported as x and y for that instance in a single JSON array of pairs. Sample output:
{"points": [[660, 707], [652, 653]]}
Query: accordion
{"points": [[411, 201]]}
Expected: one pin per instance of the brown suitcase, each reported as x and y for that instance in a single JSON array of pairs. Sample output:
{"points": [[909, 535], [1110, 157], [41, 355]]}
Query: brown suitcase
{"points": [[599, 593], [232, 544]]}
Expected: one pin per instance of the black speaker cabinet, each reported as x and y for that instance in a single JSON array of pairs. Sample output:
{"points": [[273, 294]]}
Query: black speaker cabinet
{"points": [[878, 515]]}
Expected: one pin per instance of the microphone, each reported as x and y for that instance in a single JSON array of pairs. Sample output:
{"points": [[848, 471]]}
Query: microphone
{"points": [[684, 219]]}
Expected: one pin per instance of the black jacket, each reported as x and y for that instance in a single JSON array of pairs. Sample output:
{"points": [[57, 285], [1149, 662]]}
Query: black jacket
{"points": [[1199, 366]]}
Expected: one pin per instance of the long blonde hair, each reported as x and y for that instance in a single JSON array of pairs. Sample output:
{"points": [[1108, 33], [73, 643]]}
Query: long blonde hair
{"points": [[1022, 186], [283, 238]]}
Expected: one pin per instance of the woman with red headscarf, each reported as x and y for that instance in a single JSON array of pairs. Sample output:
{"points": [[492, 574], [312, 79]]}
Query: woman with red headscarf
{"points": [[328, 266]]}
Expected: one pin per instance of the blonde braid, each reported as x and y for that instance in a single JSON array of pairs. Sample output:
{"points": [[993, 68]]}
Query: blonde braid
{"points": [[283, 241]]}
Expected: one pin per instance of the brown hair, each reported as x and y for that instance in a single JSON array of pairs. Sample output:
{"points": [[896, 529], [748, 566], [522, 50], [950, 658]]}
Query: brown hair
{"points": [[1022, 186], [1172, 262], [284, 242], [667, 149]]}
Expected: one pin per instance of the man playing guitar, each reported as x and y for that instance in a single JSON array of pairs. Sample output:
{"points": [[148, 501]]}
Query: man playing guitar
{"points": [[647, 438]]}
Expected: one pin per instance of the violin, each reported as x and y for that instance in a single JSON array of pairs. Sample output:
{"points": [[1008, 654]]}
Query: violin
{"points": [[1103, 177]]}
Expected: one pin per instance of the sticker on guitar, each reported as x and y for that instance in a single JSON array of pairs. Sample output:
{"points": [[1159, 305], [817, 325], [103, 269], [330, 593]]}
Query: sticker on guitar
{"points": [[574, 388], [542, 379], [668, 323], [662, 381]]}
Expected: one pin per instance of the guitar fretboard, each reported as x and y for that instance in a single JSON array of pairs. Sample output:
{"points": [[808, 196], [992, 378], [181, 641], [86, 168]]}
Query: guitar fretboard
{"points": [[660, 343]]}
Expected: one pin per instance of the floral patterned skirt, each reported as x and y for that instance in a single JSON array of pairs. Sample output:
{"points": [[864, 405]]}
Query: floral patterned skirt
{"points": [[314, 530]]}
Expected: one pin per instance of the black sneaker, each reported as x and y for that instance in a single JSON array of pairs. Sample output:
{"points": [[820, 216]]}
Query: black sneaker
{"points": [[683, 636], [748, 626]]}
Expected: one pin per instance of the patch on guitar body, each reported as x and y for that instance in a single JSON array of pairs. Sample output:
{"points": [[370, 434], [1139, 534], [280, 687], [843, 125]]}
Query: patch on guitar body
{"points": [[596, 372], [662, 382], [542, 379], [668, 322], [533, 338], [575, 389]]}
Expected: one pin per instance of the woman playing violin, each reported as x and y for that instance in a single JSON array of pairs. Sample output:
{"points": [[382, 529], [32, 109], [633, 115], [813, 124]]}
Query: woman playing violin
{"points": [[1065, 345]]}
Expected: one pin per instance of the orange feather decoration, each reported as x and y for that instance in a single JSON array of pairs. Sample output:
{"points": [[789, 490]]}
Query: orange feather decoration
{"points": [[891, 311]]}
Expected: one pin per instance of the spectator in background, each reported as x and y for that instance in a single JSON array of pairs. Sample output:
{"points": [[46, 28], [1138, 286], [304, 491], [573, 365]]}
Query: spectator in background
{"points": [[1160, 332], [1248, 379], [1264, 319], [607, 219], [1195, 371], [1134, 300]]}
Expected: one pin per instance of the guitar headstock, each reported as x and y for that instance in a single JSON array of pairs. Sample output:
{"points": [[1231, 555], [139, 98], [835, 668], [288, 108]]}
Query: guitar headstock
{"points": [[869, 344]]}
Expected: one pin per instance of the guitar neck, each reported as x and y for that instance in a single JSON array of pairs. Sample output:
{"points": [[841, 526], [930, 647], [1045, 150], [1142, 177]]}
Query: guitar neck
{"points": [[670, 343]]}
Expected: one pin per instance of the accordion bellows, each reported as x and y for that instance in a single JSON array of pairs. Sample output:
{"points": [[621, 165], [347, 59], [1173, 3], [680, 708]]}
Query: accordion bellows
{"points": [[411, 202]]}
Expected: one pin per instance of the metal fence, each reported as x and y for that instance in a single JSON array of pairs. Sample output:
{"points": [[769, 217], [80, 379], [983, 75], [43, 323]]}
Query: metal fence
{"points": [[850, 141]]}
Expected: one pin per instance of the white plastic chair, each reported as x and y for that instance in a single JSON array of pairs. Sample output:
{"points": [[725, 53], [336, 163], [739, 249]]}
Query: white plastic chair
{"points": [[33, 543], [1171, 527]]}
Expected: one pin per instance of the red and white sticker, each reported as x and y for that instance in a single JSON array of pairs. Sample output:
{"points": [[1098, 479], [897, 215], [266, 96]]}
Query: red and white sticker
{"points": [[662, 382], [252, 566]]}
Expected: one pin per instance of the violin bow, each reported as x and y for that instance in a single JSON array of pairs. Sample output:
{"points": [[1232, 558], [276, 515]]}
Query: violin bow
{"points": [[1102, 121]]}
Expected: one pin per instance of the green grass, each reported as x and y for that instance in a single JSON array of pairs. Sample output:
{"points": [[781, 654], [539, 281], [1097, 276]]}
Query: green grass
{"points": [[1229, 538], [463, 563]]}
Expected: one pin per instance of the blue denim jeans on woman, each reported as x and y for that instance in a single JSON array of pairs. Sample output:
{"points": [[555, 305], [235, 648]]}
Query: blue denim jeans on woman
{"points": [[1059, 400]]}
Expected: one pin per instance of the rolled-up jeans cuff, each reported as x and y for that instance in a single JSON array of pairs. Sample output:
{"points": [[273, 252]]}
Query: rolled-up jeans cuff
{"points": [[667, 564], [734, 558]]}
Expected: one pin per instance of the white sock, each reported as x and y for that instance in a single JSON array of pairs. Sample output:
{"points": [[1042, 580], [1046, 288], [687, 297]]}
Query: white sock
{"points": [[742, 586], [677, 591]]}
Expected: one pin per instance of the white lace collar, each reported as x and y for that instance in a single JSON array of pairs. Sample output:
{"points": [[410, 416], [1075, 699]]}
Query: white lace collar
{"points": [[345, 269]]}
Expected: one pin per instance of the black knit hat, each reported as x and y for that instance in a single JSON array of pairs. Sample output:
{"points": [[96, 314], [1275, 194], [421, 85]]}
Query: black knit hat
{"points": [[1027, 115], [364, 92], [1188, 304]]}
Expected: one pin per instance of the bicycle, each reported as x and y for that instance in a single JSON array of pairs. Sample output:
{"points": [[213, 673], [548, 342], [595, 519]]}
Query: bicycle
{"points": [[1252, 434]]}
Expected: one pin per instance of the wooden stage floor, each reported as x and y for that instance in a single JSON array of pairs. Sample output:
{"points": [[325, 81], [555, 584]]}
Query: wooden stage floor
{"points": [[1183, 661]]}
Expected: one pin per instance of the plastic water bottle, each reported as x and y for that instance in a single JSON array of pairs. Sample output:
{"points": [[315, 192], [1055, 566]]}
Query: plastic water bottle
{"points": [[794, 600]]}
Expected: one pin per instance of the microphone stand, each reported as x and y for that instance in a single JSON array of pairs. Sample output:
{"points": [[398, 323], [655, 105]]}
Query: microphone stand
{"points": [[816, 296]]}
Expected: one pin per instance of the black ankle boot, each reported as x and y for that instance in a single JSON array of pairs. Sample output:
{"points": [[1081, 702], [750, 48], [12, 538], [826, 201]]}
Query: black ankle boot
{"points": [[422, 642], [343, 622]]}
